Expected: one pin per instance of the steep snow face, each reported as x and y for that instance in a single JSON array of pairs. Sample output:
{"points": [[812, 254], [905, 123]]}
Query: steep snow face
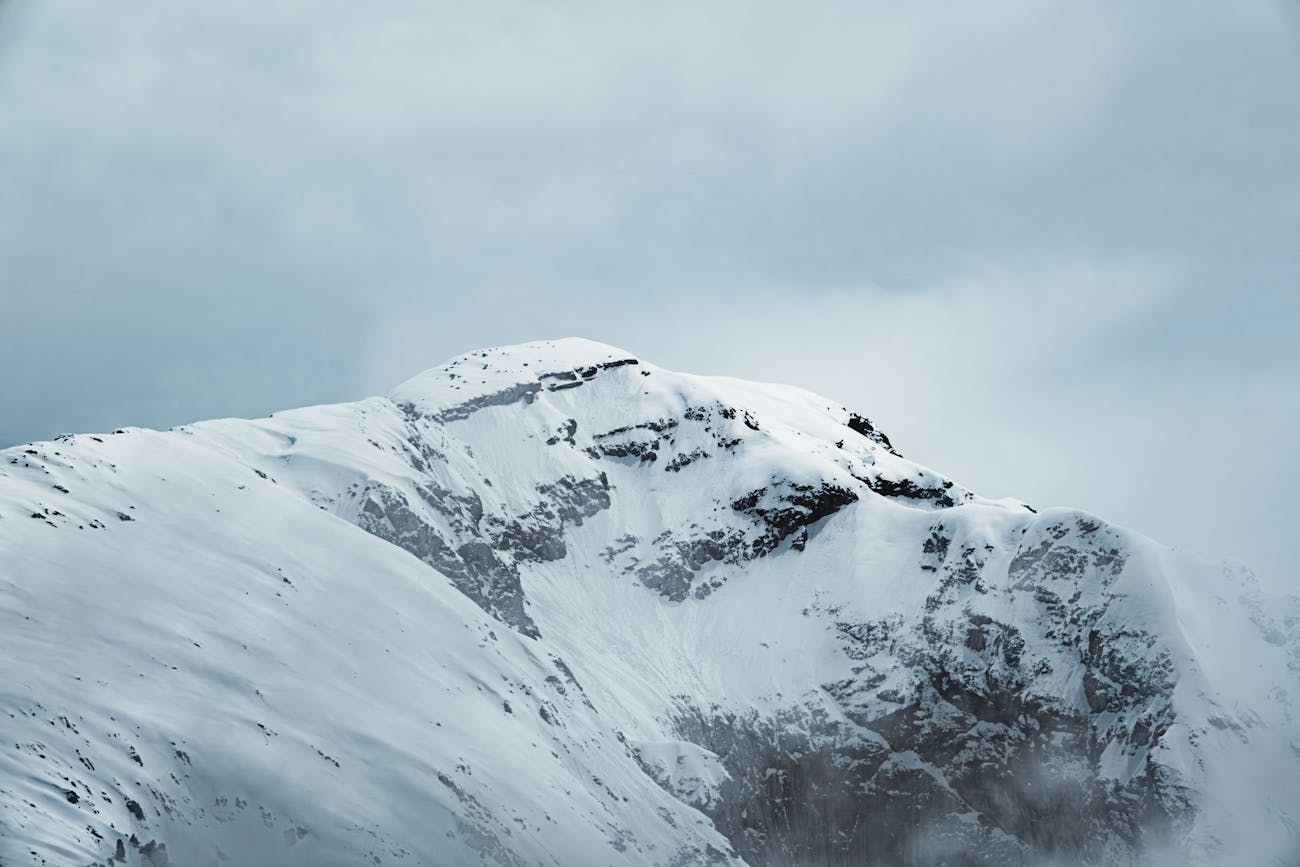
{"points": [[551, 604]]}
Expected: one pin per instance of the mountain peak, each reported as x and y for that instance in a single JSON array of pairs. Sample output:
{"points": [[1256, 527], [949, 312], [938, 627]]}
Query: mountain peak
{"points": [[486, 371], [552, 604]]}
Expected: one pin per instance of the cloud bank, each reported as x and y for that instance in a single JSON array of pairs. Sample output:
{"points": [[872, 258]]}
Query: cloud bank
{"points": [[1048, 246]]}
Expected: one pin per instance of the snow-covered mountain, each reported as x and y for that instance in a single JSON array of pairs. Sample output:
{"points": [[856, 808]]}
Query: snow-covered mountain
{"points": [[551, 604]]}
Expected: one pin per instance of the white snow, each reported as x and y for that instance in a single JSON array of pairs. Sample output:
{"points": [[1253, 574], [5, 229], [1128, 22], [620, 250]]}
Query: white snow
{"points": [[202, 600]]}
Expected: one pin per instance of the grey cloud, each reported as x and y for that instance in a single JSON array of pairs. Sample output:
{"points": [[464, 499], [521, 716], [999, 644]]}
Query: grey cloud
{"points": [[1047, 244]]}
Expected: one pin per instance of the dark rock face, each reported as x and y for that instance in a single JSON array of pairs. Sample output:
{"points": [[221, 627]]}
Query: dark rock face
{"points": [[788, 509], [675, 571], [938, 493], [684, 459], [640, 450], [808, 788], [680, 559], [862, 425], [965, 760], [525, 391], [481, 552], [927, 784]]}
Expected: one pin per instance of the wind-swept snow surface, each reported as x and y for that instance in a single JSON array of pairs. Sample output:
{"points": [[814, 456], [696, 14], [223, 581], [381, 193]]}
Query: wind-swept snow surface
{"points": [[551, 604]]}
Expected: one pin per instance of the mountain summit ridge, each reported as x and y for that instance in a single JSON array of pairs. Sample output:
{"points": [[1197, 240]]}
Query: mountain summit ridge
{"points": [[550, 603]]}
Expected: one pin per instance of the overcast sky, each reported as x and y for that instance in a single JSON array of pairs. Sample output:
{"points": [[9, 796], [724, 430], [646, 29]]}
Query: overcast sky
{"points": [[1052, 248]]}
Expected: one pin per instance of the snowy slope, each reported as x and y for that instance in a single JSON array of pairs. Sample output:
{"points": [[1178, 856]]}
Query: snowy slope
{"points": [[551, 604]]}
